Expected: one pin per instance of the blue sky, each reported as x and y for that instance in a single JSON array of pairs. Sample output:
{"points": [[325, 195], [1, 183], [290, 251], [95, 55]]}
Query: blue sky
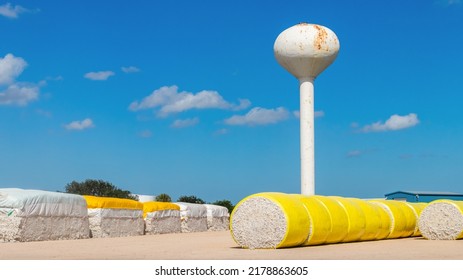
{"points": [[186, 97]]}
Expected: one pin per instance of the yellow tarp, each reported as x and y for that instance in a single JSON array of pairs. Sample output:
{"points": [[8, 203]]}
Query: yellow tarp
{"points": [[417, 208], [319, 218], [112, 203], [377, 221], [153, 206], [338, 220]]}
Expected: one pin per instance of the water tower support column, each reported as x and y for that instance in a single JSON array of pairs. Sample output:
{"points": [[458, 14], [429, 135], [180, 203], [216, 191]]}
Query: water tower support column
{"points": [[307, 136]]}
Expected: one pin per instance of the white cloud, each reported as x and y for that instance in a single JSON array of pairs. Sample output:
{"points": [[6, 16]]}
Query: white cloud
{"points": [[354, 153], [259, 116], [80, 125], [10, 11], [319, 114], [453, 2], [17, 94], [221, 131], [243, 104], [99, 76], [130, 69], [145, 134], [170, 101], [395, 122], [44, 113], [10, 68], [316, 114], [359, 153], [185, 123]]}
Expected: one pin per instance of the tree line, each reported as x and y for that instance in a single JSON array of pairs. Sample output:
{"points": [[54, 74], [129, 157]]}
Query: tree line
{"points": [[106, 189]]}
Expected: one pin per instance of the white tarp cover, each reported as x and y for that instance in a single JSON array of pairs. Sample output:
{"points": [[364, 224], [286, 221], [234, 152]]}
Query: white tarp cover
{"points": [[193, 217], [216, 210], [192, 210], [146, 198], [42, 203], [33, 215], [217, 217], [163, 214]]}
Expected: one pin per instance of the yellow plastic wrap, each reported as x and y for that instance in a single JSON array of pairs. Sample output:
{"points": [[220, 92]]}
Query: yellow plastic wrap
{"points": [[113, 203], [417, 208], [297, 219], [153, 206], [355, 216], [403, 220], [314, 220], [377, 222], [338, 219], [320, 220], [386, 223]]}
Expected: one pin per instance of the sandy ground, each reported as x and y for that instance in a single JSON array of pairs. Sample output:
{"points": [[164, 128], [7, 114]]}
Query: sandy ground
{"points": [[220, 246]]}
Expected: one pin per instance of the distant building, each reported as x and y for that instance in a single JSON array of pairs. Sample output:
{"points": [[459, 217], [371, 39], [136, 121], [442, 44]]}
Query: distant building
{"points": [[422, 196]]}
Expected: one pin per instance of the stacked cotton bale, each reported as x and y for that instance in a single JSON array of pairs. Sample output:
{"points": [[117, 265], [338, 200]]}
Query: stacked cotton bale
{"points": [[277, 220], [33, 215], [114, 217], [442, 220], [193, 217], [217, 217], [161, 217]]}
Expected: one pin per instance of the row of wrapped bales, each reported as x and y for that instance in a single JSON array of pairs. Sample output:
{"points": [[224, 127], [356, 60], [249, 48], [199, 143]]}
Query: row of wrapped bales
{"points": [[114, 217], [161, 217], [32, 215], [442, 220], [277, 220], [166, 217]]}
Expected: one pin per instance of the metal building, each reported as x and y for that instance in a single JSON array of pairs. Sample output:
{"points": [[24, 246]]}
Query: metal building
{"points": [[422, 196]]}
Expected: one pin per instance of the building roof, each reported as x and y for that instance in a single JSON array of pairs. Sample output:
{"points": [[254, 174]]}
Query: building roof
{"points": [[426, 193]]}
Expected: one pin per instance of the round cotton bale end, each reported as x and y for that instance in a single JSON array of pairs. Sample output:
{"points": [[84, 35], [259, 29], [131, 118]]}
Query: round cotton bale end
{"points": [[269, 220], [442, 220]]}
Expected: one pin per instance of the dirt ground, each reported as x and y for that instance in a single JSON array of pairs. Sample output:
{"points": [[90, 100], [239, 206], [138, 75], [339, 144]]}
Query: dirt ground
{"points": [[220, 246]]}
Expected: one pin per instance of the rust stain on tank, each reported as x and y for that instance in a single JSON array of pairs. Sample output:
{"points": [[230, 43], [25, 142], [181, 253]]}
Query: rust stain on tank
{"points": [[320, 39]]}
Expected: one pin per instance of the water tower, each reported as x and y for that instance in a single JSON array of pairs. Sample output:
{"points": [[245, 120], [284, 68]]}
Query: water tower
{"points": [[305, 50]]}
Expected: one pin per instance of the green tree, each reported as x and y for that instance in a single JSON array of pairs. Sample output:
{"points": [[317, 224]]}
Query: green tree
{"points": [[98, 188], [163, 197], [190, 199], [225, 203]]}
